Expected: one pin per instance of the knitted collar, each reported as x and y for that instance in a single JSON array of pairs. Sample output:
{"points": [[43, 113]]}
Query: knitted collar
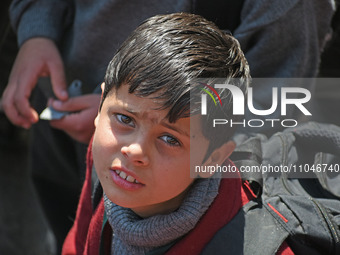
{"points": [[135, 235]]}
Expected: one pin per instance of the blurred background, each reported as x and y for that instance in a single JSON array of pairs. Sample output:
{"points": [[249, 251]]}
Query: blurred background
{"points": [[13, 143], [18, 200]]}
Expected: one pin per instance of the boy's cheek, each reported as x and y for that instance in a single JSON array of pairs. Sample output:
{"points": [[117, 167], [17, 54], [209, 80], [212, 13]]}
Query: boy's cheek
{"points": [[198, 148], [94, 153], [99, 153], [99, 162]]}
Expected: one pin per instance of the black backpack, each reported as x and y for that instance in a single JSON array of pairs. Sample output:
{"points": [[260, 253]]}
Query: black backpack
{"points": [[304, 212]]}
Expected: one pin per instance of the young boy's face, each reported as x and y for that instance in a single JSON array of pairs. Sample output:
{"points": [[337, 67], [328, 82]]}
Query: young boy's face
{"points": [[141, 159]]}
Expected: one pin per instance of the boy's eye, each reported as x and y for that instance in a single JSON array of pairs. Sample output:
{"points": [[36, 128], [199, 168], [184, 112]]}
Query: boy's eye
{"points": [[170, 140], [125, 120]]}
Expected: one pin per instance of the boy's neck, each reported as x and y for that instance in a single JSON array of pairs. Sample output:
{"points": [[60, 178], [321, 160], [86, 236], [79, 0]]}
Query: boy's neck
{"points": [[171, 206]]}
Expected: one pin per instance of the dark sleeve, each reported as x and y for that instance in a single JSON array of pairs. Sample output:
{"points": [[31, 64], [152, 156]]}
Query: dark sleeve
{"points": [[40, 18], [284, 38]]}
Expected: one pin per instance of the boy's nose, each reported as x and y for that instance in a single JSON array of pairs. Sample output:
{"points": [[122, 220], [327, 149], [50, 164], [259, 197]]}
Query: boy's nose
{"points": [[135, 153]]}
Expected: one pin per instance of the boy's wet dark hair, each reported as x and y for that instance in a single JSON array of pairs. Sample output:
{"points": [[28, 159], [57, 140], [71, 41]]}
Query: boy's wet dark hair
{"points": [[166, 54]]}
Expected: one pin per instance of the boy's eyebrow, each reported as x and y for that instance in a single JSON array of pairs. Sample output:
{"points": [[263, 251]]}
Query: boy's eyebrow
{"points": [[178, 130], [165, 124], [131, 111]]}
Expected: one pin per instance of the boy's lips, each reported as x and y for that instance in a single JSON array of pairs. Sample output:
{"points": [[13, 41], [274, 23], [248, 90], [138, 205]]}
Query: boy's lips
{"points": [[125, 179]]}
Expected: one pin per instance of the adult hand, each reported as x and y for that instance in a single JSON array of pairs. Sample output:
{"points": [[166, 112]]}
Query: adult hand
{"points": [[37, 57], [80, 123]]}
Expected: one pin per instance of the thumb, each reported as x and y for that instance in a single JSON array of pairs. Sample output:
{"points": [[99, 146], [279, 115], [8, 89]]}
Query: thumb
{"points": [[58, 79]]}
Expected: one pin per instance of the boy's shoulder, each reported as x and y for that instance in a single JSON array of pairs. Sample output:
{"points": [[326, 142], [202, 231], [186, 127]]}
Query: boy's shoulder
{"points": [[231, 224], [252, 231]]}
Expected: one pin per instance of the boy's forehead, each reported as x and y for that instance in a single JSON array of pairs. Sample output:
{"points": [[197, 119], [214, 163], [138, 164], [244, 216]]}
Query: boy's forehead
{"points": [[147, 108], [143, 106]]}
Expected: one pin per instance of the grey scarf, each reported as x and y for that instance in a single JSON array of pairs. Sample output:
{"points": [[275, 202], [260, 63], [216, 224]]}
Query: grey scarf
{"points": [[135, 235]]}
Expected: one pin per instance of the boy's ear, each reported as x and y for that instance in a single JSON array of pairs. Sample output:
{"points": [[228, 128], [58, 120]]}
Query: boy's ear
{"points": [[217, 157], [102, 86], [96, 120]]}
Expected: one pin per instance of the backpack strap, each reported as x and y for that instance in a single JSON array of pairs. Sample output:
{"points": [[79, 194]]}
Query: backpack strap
{"points": [[261, 227], [252, 231], [319, 139], [309, 224], [249, 153], [322, 143]]}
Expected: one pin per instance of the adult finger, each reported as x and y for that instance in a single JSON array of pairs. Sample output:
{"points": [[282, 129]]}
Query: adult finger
{"points": [[75, 104], [10, 110], [58, 78], [25, 84]]}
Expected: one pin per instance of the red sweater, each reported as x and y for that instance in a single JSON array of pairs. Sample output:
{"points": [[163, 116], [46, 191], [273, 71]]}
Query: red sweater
{"points": [[84, 237]]}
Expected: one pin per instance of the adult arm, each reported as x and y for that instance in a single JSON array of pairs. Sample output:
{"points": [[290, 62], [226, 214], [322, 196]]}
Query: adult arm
{"points": [[40, 18], [284, 38]]}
